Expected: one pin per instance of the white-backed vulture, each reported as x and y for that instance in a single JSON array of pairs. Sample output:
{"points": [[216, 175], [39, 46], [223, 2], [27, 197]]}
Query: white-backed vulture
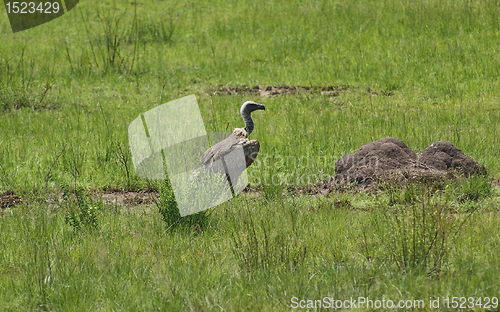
{"points": [[239, 137]]}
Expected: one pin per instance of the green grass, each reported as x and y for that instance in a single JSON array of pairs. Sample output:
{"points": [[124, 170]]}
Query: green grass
{"points": [[421, 71], [253, 255]]}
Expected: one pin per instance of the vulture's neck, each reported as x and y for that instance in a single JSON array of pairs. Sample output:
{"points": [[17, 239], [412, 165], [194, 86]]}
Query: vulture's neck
{"points": [[248, 122]]}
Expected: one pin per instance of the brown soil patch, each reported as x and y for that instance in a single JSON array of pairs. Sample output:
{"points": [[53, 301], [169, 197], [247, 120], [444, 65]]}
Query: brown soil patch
{"points": [[266, 91], [131, 199], [391, 158], [319, 189], [128, 198], [370, 91], [10, 199]]}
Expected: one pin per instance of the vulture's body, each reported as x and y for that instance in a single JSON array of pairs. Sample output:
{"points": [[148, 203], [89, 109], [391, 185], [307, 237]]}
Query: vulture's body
{"points": [[239, 138]]}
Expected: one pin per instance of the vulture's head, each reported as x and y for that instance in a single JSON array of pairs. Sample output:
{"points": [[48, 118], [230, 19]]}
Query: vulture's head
{"points": [[245, 111], [249, 107]]}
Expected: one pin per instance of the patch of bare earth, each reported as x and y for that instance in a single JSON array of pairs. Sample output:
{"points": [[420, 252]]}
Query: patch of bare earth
{"points": [[128, 198], [10, 199], [267, 91], [314, 190]]}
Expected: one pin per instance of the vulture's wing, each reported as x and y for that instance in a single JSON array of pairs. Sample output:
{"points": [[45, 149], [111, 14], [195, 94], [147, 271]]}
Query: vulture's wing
{"points": [[226, 146], [221, 149]]}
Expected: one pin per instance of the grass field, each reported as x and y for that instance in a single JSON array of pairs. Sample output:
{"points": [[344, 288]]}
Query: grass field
{"points": [[421, 71]]}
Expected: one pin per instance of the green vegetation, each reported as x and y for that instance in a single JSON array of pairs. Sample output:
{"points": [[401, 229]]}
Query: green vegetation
{"points": [[421, 71]]}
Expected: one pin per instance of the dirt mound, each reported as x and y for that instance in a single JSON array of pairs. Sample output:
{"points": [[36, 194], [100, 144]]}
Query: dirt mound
{"points": [[444, 156], [266, 91], [391, 157]]}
